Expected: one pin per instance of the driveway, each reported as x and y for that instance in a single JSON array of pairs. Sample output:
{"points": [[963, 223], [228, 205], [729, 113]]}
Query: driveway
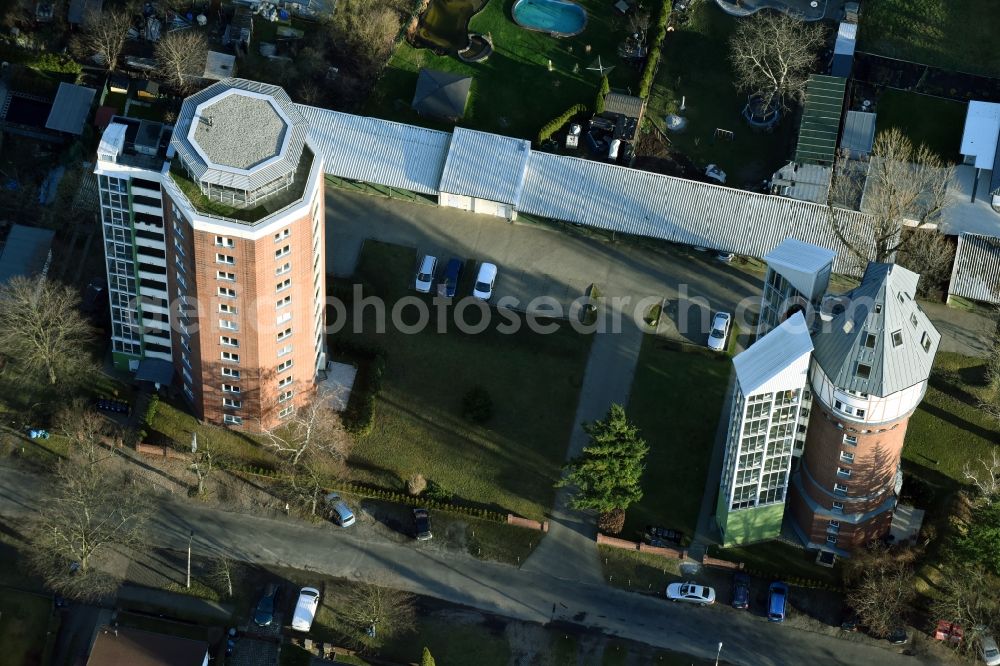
{"points": [[495, 588], [543, 261]]}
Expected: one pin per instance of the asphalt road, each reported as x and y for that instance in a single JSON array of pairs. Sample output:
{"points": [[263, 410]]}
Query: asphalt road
{"points": [[526, 595]]}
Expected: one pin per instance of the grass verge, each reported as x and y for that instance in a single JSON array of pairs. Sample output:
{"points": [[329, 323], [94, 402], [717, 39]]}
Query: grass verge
{"points": [[637, 571], [679, 425], [777, 559]]}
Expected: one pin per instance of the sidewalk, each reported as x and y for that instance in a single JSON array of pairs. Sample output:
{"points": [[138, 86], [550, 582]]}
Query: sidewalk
{"points": [[569, 550]]}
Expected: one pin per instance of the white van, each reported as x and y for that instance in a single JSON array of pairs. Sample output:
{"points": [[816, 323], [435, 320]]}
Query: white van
{"points": [[305, 609]]}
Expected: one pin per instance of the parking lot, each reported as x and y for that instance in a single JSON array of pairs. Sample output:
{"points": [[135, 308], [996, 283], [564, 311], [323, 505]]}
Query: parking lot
{"points": [[536, 261]]}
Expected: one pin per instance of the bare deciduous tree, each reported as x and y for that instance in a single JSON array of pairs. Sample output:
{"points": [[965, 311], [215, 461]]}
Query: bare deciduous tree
{"points": [[42, 329], [967, 596], [313, 431], [772, 55], [367, 30], [181, 56], [930, 254], [376, 613], [905, 184], [880, 586], [92, 508], [104, 34], [985, 475], [87, 430], [224, 574], [203, 465]]}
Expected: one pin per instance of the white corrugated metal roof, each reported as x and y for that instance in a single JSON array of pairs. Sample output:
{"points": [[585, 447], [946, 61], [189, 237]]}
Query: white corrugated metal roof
{"points": [[806, 266], [779, 361], [847, 37], [485, 166], [976, 273], [684, 211], [378, 151], [982, 131]]}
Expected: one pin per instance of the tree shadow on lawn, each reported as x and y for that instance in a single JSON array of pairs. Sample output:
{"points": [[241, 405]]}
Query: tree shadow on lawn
{"points": [[987, 434]]}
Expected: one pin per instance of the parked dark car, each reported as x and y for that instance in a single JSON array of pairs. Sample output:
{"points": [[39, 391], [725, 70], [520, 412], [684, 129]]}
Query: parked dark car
{"points": [[777, 601], [263, 614], [448, 284], [422, 525], [899, 636], [741, 590]]}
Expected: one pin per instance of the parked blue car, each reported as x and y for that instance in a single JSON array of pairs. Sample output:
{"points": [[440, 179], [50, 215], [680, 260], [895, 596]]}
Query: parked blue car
{"points": [[448, 284], [777, 601]]}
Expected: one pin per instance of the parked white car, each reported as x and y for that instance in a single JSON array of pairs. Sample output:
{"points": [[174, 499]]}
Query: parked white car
{"points": [[720, 331], [485, 279], [988, 649], [691, 592], [425, 274], [305, 609]]}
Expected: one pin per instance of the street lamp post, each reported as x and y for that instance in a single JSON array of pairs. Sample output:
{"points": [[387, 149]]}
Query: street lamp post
{"points": [[190, 539], [718, 654]]}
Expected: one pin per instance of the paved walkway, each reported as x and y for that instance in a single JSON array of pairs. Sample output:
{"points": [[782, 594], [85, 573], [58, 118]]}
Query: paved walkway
{"points": [[569, 550], [495, 588]]}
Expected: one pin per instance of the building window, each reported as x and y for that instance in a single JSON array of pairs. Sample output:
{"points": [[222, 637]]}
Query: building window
{"points": [[833, 526], [847, 457], [229, 388], [284, 351], [860, 413], [283, 252], [870, 341], [283, 285], [223, 275], [897, 338], [925, 341], [282, 318], [864, 371], [285, 382], [285, 365], [226, 308], [227, 341], [284, 334], [831, 539], [282, 235], [228, 325], [878, 308], [844, 472], [227, 292], [227, 259], [223, 241], [840, 488], [231, 372], [284, 268], [232, 402], [286, 412], [282, 302], [285, 396], [901, 298], [838, 507], [913, 320], [231, 357], [230, 419]]}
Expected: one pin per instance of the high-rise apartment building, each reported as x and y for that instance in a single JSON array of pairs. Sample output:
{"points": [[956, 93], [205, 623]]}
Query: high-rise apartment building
{"points": [[215, 247], [872, 349], [764, 422]]}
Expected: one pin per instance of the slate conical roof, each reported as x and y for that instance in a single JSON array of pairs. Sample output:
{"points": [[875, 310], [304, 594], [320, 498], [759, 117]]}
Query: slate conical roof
{"points": [[882, 342]]}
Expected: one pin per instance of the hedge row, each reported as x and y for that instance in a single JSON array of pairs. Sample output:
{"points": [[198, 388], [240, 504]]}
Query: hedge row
{"points": [[553, 125], [653, 58], [40, 60], [402, 498], [798, 582], [359, 417]]}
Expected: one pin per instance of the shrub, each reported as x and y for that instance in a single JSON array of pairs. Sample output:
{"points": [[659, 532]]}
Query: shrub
{"points": [[154, 403], [416, 484], [553, 125], [477, 405], [438, 494], [602, 90], [612, 522]]}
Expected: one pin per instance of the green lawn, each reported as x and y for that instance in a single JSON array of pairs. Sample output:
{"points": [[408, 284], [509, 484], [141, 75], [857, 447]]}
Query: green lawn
{"points": [[679, 424], [511, 462], [930, 120], [695, 68], [24, 621], [514, 92], [778, 559], [958, 35], [948, 429], [634, 570]]}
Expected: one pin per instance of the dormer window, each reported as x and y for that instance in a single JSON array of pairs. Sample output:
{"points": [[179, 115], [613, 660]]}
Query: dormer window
{"points": [[864, 371], [897, 338], [870, 341], [878, 308], [901, 297], [925, 341], [913, 319]]}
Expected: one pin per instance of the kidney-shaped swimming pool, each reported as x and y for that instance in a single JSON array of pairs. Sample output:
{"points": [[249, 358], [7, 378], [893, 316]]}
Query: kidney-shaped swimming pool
{"points": [[558, 17]]}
